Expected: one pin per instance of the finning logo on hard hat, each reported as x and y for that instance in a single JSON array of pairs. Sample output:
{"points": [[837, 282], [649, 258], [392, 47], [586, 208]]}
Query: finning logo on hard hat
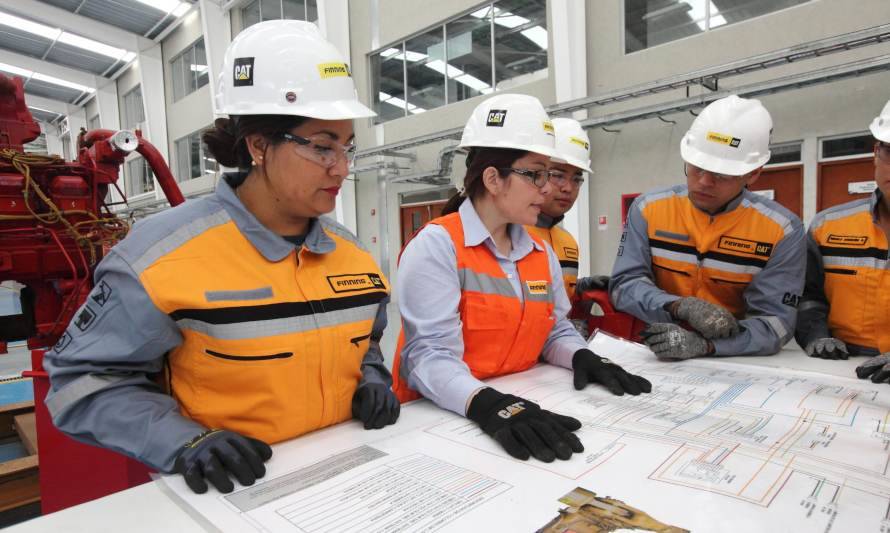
{"points": [[548, 127], [580, 142], [333, 70], [243, 74], [720, 138], [496, 117]]}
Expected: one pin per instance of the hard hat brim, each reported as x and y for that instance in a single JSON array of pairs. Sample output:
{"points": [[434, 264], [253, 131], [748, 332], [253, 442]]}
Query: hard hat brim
{"points": [[535, 148], [718, 165], [881, 133], [577, 163], [329, 110]]}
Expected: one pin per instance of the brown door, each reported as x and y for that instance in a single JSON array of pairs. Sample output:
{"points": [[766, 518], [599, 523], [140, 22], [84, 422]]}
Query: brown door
{"points": [[415, 216], [786, 184], [834, 177]]}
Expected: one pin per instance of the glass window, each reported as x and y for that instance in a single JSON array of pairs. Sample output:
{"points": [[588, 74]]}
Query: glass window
{"points": [[294, 9], [312, 10], [653, 22], [469, 55], [140, 176], [134, 112], [847, 146], [250, 14], [270, 9], [191, 160], [388, 87], [178, 73], [189, 70], [425, 71], [520, 38], [201, 64], [784, 153]]}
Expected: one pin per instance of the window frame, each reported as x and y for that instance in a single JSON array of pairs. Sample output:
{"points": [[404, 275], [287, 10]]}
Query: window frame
{"points": [[125, 100], [280, 16], [821, 150], [196, 79], [202, 155]]}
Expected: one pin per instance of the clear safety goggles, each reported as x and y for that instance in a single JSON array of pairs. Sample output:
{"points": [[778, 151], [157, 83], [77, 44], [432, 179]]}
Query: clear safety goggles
{"points": [[560, 179], [321, 149], [695, 172]]}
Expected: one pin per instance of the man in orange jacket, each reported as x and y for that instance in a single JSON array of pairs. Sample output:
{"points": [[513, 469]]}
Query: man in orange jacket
{"points": [[711, 255], [845, 308]]}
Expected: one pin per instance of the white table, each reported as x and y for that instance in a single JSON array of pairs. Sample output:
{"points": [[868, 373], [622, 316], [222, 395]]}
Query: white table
{"points": [[148, 508]]}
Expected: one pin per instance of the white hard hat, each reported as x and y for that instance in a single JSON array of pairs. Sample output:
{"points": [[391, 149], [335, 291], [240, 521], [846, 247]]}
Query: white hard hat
{"points": [[516, 121], [572, 143], [730, 136], [880, 126], [285, 67]]}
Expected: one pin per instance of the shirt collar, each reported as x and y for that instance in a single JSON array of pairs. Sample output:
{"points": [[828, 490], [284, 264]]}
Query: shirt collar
{"points": [[547, 221], [271, 245], [876, 198], [476, 233]]}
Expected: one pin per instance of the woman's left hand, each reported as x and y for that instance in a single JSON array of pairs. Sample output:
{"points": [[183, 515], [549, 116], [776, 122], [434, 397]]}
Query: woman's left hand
{"points": [[375, 405], [591, 368]]}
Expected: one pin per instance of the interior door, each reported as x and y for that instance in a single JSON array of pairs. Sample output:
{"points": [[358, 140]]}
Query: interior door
{"points": [[835, 178], [784, 185]]}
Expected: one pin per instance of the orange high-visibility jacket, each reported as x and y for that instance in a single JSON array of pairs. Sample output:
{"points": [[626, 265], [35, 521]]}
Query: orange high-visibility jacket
{"points": [[749, 258], [847, 293], [566, 248], [501, 334]]}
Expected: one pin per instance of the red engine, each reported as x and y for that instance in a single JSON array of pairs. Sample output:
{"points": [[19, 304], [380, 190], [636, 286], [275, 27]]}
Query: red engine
{"points": [[55, 224]]}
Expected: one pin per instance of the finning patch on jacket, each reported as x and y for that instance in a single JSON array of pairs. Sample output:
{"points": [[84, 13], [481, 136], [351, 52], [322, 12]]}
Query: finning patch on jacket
{"points": [[745, 246], [355, 282]]}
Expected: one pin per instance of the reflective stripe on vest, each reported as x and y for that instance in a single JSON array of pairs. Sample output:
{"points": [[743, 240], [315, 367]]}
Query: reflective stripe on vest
{"points": [[712, 258], [273, 363], [857, 277], [566, 249], [501, 334]]}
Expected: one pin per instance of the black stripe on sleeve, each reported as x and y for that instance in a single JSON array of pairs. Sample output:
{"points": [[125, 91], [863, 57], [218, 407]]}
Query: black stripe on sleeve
{"points": [[836, 251], [253, 313]]}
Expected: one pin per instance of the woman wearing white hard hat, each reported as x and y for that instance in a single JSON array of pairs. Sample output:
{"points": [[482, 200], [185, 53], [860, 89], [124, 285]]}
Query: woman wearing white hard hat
{"points": [[263, 317], [480, 297], [845, 309]]}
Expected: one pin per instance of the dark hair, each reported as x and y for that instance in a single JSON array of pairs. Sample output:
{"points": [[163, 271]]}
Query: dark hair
{"points": [[477, 161], [225, 141]]}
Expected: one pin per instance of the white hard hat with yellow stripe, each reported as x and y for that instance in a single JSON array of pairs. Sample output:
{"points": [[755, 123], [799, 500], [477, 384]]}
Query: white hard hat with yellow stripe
{"points": [[572, 143]]}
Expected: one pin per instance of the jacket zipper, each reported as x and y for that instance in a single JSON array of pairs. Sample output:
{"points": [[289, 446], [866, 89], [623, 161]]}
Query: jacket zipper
{"points": [[357, 340]]}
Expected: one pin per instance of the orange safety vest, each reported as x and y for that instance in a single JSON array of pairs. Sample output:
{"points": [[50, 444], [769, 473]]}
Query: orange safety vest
{"points": [[501, 334], [566, 248], [710, 257], [277, 367], [857, 279]]}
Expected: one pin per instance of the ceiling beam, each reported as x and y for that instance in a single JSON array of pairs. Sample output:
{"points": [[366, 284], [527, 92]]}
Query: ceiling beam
{"points": [[77, 24], [56, 106], [51, 69]]}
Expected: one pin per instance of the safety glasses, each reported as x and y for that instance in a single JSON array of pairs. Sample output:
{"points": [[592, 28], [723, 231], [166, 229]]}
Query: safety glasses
{"points": [[321, 149], [560, 179], [695, 172]]}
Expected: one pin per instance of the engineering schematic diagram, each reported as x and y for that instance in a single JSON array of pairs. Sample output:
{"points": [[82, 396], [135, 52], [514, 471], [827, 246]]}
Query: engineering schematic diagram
{"points": [[749, 439]]}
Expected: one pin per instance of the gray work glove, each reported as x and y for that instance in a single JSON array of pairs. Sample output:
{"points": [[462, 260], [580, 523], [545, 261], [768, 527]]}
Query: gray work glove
{"points": [[827, 348], [712, 321], [670, 341], [591, 283], [375, 405], [878, 368]]}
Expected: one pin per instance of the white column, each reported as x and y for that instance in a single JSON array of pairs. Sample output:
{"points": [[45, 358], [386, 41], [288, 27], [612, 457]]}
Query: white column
{"points": [[151, 79], [216, 26], [77, 118], [809, 156], [333, 21], [53, 142], [569, 56], [106, 101]]}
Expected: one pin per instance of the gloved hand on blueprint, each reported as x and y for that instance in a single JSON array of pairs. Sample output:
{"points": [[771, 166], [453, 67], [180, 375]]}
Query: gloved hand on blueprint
{"points": [[591, 368], [827, 348], [215, 454], [523, 428], [670, 341], [877, 368], [711, 320], [375, 405]]}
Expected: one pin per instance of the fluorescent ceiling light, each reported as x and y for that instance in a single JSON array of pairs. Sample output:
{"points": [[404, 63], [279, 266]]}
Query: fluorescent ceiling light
{"points": [[398, 102], [15, 70], [173, 7], [535, 34], [28, 74], [198, 68], [460, 76], [35, 108], [55, 34]]}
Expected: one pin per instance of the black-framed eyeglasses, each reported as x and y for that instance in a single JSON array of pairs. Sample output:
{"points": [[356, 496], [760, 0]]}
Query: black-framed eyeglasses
{"points": [[538, 178], [560, 179], [321, 149]]}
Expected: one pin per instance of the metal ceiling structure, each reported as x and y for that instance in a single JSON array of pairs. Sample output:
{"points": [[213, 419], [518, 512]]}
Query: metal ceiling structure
{"points": [[131, 15]]}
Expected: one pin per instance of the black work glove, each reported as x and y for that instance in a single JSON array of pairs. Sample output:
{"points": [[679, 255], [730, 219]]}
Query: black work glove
{"points": [[827, 348], [591, 283], [878, 368], [670, 341], [214, 454], [375, 405], [523, 428], [711, 320], [591, 368]]}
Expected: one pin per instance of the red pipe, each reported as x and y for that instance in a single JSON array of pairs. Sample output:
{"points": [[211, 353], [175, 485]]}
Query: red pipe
{"points": [[162, 172]]}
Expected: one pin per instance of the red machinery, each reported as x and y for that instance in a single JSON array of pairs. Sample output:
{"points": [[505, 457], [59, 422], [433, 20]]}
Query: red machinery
{"points": [[611, 321], [55, 226]]}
